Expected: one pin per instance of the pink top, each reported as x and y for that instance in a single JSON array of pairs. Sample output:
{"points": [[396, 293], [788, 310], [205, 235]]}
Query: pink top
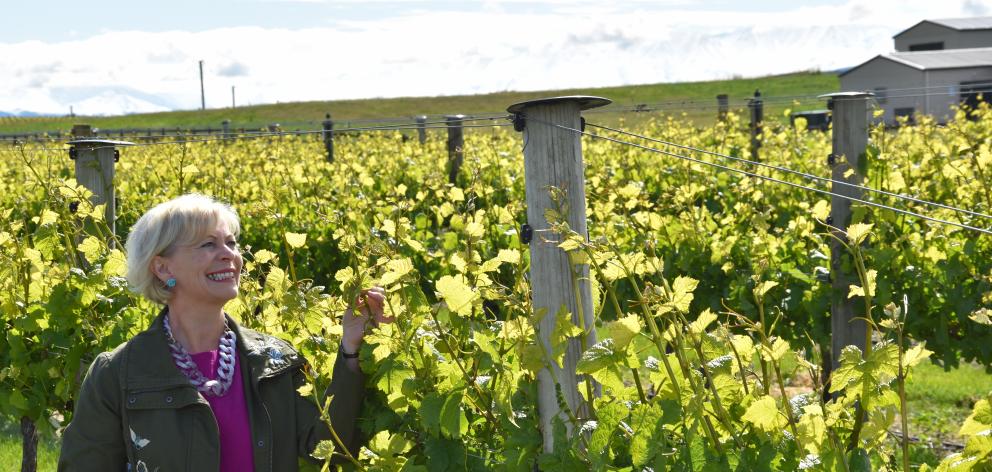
{"points": [[231, 412]]}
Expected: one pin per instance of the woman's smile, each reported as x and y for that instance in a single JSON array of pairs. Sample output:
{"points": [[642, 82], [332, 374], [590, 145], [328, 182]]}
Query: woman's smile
{"points": [[226, 275]]}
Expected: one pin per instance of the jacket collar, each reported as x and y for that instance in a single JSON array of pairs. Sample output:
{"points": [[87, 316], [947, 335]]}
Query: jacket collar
{"points": [[150, 365]]}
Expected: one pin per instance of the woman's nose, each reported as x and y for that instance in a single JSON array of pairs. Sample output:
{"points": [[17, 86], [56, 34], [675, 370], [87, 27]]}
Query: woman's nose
{"points": [[228, 253]]}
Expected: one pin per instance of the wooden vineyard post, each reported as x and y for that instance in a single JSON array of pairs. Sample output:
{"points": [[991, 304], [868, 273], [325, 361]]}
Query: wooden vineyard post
{"points": [[329, 137], [757, 116], [95, 159], [850, 140], [722, 106], [553, 159], [422, 128], [456, 143]]}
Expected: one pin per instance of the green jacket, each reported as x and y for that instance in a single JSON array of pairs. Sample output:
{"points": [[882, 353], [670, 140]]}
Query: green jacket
{"points": [[136, 411]]}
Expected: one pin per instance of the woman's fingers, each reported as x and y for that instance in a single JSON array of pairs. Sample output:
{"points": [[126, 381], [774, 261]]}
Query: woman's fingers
{"points": [[372, 303]]}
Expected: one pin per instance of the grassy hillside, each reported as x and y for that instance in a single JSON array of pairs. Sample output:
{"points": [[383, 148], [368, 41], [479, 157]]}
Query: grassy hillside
{"points": [[696, 99]]}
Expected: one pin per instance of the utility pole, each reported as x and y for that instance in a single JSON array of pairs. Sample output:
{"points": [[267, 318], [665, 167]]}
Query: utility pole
{"points": [[203, 98], [232, 97]]}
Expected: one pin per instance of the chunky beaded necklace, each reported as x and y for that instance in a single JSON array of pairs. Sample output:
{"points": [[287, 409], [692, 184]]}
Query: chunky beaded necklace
{"points": [[225, 369]]}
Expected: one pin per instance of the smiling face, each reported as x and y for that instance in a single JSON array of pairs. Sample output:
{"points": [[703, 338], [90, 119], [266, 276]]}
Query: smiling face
{"points": [[207, 269]]}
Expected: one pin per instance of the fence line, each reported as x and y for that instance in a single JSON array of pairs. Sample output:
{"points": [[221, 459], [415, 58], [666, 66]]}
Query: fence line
{"points": [[787, 170], [778, 181], [165, 132], [248, 136], [689, 104]]}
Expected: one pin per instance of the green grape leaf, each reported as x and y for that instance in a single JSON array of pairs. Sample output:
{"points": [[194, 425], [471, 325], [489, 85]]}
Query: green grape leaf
{"points": [[92, 249], [916, 354], [430, 413], [116, 264], [475, 230], [623, 330], [324, 450], [858, 291], [456, 293], [296, 240], [979, 420], [981, 316], [761, 289], [17, 400], [510, 256], [452, 421], [609, 417], [646, 420], [395, 270], [777, 351], [598, 356], [681, 295], [857, 232], [863, 375], [765, 416], [612, 270], [821, 210], [702, 322], [262, 256], [276, 282]]}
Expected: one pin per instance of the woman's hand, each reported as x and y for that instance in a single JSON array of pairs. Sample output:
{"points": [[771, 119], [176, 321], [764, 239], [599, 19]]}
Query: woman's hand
{"points": [[371, 306]]}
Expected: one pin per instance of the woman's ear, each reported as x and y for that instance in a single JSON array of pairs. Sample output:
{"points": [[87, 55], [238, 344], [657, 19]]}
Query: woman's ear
{"points": [[160, 268]]}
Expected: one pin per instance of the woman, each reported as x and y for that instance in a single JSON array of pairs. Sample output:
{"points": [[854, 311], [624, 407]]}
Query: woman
{"points": [[197, 392]]}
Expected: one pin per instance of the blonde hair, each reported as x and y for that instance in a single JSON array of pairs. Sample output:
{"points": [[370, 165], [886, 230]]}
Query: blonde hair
{"points": [[176, 222]]}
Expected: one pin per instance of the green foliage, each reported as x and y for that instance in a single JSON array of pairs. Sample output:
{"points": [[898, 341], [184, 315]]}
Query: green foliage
{"points": [[704, 284]]}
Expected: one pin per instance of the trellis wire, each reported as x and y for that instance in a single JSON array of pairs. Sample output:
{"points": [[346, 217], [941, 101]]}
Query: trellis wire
{"points": [[770, 179], [246, 136], [796, 172]]}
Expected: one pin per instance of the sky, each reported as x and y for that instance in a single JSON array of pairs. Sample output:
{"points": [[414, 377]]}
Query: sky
{"points": [[114, 56]]}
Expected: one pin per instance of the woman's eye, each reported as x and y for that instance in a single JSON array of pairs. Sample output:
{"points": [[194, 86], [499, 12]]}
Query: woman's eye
{"points": [[208, 244], [232, 244]]}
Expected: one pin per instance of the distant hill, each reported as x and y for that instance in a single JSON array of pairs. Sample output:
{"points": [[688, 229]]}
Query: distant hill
{"points": [[696, 99], [23, 114]]}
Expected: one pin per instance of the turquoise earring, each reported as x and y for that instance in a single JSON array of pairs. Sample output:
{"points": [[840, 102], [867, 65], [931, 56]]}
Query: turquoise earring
{"points": [[170, 282]]}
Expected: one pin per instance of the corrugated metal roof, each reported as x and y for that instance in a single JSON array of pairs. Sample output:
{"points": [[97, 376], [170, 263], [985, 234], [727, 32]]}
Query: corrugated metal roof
{"points": [[935, 60], [960, 24], [983, 22], [944, 59]]}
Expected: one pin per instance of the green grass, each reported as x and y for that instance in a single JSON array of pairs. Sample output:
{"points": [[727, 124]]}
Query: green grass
{"points": [[10, 448], [940, 401], [700, 106], [938, 404]]}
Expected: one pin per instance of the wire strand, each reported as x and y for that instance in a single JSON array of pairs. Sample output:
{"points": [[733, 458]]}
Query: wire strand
{"points": [[766, 178], [402, 126], [246, 136], [796, 172]]}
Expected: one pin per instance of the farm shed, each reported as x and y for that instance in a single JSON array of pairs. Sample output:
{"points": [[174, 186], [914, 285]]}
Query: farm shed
{"points": [[926, 82], [954, 33]]}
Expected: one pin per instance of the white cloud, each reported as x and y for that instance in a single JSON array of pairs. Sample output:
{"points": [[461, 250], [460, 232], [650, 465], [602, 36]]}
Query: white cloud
{"points": [[568, 44]]}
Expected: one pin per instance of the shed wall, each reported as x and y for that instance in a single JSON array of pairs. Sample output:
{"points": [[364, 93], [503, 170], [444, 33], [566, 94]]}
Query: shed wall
{"points": [[893, 76], [952, 39], [940, 100]]}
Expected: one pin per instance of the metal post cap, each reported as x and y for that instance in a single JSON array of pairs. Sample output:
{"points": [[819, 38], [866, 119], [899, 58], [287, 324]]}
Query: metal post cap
{"points": [[846, 95], [100, 142], [585, 102]]}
